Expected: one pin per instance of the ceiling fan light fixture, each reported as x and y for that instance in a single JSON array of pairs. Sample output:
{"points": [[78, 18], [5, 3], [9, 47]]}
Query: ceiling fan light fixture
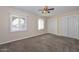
{"points": [[46, 11], [46, 14]]}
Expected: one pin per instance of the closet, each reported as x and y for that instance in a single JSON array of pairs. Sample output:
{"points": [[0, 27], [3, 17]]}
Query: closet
{"points": [[69, 26]]}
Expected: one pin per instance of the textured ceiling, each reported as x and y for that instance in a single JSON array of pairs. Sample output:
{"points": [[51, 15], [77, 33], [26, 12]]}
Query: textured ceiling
{"points": [[58, 9]]}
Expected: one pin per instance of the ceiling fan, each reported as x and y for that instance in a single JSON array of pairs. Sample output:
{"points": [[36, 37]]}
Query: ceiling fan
{"points": [[46, 10]]}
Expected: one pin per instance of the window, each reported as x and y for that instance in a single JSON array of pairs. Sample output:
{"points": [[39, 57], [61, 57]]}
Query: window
{"points": [[18, 23], [40, 24]]}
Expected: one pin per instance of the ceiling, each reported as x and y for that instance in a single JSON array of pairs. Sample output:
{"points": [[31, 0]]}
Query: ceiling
{"points": [[58, 9]]}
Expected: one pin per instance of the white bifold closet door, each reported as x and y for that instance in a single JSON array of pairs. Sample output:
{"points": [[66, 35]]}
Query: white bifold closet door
{"points": [[70, 26]]}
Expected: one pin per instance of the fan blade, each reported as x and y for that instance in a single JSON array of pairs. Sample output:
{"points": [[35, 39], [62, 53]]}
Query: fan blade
{"points": [[51, 9]]}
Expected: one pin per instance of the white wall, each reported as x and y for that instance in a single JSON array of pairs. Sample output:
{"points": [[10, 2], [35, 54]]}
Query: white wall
{"points": [[65, 25], [52, 25], [6, 35]]}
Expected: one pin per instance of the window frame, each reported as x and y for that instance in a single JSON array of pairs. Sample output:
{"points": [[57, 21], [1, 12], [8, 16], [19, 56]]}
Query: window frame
{"points": [[38, 24], [19, 17]]}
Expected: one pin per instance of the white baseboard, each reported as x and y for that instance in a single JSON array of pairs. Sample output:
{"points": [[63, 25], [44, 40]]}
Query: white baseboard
{"points": [[33, 36], [66, 36], [19, 39]]}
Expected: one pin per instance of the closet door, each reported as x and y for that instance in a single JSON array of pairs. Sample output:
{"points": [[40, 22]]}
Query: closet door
{"points": [[73, 26], [69, 26]]}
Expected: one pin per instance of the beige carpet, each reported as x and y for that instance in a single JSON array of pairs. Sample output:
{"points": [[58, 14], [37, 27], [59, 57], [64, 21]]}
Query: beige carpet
{"points": [[42, 43]]}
